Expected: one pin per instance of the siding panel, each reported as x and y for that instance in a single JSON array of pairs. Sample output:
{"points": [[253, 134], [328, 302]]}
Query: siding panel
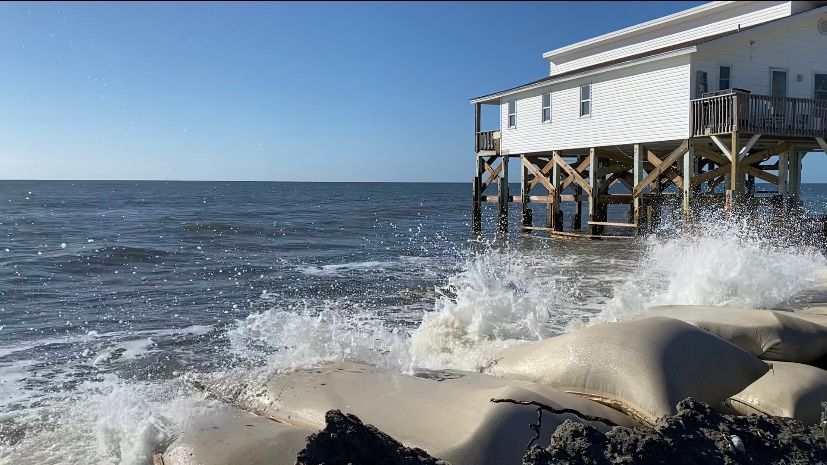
{"points": [[644, 103], [795, 45]]}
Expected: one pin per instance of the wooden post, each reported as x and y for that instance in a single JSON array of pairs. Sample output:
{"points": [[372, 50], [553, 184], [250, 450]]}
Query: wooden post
{"points": [[577, 219], [525, 213], [783, 177], [593, 160], [476, 208], [795, 175], [689, 167], [554, 207], [637, 174], [735, 181], [502, 216]]}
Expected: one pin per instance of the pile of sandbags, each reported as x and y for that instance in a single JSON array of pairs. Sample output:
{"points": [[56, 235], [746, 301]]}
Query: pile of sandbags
{"points": [[448, 414], [788, 339], [767, 334], [642, 367], [451, 417]]}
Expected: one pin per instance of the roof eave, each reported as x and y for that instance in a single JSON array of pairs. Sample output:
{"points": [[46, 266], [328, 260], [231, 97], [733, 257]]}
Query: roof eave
{"points": [[584, 44], [496, 96]]}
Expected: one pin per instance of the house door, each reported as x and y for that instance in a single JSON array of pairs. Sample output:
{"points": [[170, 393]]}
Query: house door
{"points": [[778, 90], [778, 82]]}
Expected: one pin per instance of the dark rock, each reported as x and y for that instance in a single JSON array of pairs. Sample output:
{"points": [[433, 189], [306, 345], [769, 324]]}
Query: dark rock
{"points": [[346, 440], [695, 435]]}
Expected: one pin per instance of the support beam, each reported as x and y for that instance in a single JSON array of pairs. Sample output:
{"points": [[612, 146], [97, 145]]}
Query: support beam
{"points": [[721, 145], [746, 148], [689, 166], [637, 173], [673, 173], [476, 208], [502, 214], [574, 174], [525, 213], [581, 167], [822, 144], [538, 175], [593, 192], [736, 181], [783, 177], [795, 175], [657, 171], [555, 220]]}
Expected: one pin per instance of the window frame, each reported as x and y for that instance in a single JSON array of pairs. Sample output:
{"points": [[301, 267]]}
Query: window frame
{"points": [[509, 113], [544, 107], [582, 100], [817, 73], [729, 78]]}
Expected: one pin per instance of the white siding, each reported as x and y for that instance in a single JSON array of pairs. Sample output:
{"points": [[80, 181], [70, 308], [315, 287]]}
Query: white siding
{"points": [[794, 44], [643, 103], [718, 21]]}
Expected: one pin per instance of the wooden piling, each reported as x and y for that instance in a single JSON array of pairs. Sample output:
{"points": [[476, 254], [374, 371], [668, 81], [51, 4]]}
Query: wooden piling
{"points": [[502, 192]]}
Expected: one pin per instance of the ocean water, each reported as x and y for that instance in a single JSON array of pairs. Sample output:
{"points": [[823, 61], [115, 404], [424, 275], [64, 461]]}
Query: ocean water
{"points": [[116, 296]]}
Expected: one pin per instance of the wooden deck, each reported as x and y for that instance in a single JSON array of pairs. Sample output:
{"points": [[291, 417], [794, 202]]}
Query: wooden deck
{"points": [[758, 114]]}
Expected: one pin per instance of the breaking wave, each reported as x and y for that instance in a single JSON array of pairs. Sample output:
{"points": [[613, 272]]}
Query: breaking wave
{"points": [[723, 263]]}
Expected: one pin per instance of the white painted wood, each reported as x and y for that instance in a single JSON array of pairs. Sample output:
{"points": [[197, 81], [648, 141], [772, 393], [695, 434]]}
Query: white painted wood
{"points": [[791, 44], [648, 101], [714, 18], [644, 103]]}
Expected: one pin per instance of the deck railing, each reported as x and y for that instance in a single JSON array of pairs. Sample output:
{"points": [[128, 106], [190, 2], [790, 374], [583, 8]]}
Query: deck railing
{"points": [[488, 140], [758, 114]]}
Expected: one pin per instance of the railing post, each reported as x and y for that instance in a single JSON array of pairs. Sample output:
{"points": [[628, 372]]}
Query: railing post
{"points": [[477, 123]]}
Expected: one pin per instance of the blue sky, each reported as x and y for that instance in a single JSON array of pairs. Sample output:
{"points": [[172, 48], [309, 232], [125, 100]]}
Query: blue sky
{"points": [[275, 91]]}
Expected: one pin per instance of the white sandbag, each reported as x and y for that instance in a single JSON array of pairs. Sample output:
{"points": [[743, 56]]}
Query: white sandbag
{"points": [[643, 367], [771, 335], [229, 436], [817, 315], [789, 390], [452, 419]]}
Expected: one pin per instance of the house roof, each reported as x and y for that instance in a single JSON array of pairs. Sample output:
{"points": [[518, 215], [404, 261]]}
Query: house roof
{"points": [[664, 52], [649, 55], [698, 11]]}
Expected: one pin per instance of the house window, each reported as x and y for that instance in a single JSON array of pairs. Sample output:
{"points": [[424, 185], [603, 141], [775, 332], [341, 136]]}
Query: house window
{"points": [[512, 114], [701, 84], [820, 91], [586, 100], [546, 108], [724, 78]]}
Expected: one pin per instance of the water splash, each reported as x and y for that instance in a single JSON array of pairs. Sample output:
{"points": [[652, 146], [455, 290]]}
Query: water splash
{"points": [[718, 263], [106, 421], [502, 297]]}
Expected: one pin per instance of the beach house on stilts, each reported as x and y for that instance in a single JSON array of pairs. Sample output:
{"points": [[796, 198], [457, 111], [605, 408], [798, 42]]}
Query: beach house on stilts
{"points": [[686, 110]]}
